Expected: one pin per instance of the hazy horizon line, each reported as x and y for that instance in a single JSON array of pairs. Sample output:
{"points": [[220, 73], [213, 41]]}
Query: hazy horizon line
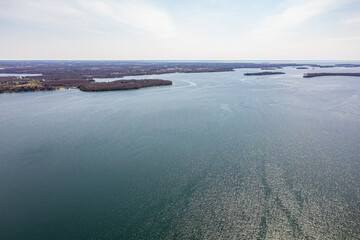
{"points": [[183, 60]]}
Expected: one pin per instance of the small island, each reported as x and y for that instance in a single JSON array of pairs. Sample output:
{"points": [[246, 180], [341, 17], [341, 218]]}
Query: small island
{"points": [[311, 75], [263, 73], [123, 85], [302, 68]]}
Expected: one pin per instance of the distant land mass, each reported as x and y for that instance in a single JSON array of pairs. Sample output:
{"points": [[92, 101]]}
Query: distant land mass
{"points": [[53, 75], [263, 73], [311, 75], [270, 68]]}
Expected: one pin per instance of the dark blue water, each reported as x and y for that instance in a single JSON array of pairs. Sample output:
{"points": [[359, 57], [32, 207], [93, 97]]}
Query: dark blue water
{"points": [[214, 156]]}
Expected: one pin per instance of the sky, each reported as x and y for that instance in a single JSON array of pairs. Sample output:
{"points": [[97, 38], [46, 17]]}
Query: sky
{"points": [[180, 29]]}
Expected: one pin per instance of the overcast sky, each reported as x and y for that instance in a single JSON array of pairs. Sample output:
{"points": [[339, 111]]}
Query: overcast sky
{"points": [[180, 29]]}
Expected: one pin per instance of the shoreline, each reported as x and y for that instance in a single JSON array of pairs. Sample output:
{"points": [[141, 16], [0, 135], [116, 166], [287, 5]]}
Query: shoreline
{"points": [[81, 74], [312, 75]]}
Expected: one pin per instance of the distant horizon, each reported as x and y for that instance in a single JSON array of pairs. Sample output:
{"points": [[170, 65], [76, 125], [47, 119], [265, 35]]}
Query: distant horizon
{"points": [[191, 60]]}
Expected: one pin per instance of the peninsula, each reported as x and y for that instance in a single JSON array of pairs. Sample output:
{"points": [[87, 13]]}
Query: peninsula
{"points": [[311, 75]]}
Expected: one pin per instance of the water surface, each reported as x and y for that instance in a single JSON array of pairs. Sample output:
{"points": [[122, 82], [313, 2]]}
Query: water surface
{"points": [[215, 155], [18, 74]]}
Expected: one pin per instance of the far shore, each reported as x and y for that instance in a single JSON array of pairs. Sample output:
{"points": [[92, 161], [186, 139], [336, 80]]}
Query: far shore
{"points": [[312, 75]]}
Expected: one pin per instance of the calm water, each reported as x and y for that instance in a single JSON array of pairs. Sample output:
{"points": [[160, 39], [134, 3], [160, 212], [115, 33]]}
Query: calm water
{"points": [[18, 75], [216, 155]]}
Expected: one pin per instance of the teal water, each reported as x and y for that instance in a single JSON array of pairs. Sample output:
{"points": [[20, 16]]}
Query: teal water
{"points": [[214, 156]]}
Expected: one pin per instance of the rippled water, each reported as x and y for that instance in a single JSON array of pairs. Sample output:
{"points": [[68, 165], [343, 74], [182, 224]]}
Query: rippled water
{"points": [[216, 155]]}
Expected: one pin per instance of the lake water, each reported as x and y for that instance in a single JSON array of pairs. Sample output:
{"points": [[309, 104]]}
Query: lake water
{"points": [[214, 156], [18, 74]]}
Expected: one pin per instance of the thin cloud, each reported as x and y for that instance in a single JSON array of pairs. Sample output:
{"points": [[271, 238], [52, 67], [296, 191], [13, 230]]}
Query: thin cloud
{"points": [[286, 22], [344, 39], [92, 15], [352, 21]]}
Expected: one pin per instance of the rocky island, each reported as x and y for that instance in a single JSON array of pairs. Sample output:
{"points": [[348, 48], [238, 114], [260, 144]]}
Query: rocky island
{"points": [[311, 75], [263, 73]]}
